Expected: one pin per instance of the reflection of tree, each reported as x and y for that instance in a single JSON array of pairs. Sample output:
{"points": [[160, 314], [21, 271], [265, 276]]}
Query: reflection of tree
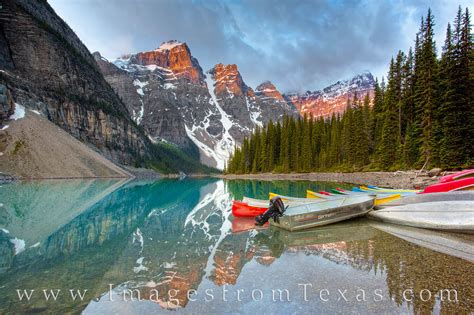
{"points": [[260, 189], [409, 266], [406, 266], [170, 235]]}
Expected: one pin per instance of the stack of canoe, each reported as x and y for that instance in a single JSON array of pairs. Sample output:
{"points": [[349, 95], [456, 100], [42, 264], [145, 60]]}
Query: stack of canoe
{"points": [[431, 208], [447, 205], [304, 213], [460, 181], [450, 211]]}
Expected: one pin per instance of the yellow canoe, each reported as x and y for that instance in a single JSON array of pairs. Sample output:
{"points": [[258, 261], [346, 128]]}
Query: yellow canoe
{"points": [[387, 190], [287, 198], [379, 199], [384, 199], [313, 194]]}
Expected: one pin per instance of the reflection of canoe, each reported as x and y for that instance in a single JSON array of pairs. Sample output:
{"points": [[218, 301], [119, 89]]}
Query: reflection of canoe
{"points": [[325, 212], [243, 224], [457, 176], [461, 184], [443, 196], [341, 232], [461, 246], [456, 216]]}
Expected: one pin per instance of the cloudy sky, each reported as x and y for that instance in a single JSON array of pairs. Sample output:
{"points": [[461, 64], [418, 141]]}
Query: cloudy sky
{"points": [[299, 45]]}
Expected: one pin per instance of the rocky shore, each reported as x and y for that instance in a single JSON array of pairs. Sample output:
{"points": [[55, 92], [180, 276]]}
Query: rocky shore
{"points": [[399, 179]]}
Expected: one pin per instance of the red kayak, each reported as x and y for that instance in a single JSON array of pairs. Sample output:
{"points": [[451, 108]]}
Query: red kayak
{"points": [[243, 209], [457, 176], [461, 184]]}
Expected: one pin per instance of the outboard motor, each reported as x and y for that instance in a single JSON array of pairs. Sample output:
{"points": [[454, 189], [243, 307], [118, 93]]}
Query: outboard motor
{"points": [[275, 211]]}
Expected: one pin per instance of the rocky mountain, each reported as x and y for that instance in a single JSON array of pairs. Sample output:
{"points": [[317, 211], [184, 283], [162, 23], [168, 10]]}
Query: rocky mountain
{"points": [[45, 67], [333, 99], [141, 108], [206, 114]]}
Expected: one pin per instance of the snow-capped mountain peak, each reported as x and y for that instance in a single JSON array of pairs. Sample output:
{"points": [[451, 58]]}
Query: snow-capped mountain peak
{"points": [[168, 45], [333, 99]]}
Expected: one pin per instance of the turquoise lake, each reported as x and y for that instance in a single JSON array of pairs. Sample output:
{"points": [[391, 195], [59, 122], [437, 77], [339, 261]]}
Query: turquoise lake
{"points": [[174, 245]]}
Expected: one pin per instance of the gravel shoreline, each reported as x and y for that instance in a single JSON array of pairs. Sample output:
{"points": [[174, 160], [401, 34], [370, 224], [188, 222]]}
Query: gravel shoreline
{"points": [[399, 179]]}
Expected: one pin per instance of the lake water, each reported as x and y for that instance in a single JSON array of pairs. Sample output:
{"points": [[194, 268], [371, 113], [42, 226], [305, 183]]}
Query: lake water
{"points": [[175, 245]]}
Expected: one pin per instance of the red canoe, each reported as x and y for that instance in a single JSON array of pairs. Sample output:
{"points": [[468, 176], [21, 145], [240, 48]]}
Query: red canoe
{"points": [[325, 193], [243, 209], [461, 184], [457, 176]]}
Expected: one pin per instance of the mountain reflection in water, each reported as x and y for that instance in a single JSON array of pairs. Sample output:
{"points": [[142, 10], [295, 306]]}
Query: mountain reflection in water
{"points": [[166, 235]]}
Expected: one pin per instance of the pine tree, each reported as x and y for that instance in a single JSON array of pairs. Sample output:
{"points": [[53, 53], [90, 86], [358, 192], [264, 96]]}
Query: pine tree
{"points": [[270, 143], [389, 140], [425, 111], [360, 137], [306, 153], [285, 146], [457, 109], [427, 89]]}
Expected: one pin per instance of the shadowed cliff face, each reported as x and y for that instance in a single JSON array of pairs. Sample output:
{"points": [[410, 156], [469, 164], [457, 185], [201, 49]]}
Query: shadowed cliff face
{"points": [[7, 107], [46, 67]]}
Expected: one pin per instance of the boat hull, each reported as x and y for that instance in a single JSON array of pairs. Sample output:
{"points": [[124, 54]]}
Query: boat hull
{"points": [[457, 176], [461, 184], [242, 209], [455, 216], [288, 202], [389, 190], [313, 218], [314, 195], [380, 198], [430, 197]]}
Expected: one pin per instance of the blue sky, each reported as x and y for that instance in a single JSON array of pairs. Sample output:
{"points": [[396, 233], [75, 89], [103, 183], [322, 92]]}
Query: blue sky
{"points": [[298, 45]]}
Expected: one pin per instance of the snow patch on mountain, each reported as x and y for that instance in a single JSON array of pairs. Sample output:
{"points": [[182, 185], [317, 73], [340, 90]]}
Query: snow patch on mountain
{"points": [[19, 112], [169, 45], [220, 147], [254, 112], [140, 85], [138, 117]]}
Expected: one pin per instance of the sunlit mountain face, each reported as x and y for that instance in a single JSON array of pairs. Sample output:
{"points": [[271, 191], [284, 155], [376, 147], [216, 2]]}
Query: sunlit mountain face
{"points": [[175, 243]]}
